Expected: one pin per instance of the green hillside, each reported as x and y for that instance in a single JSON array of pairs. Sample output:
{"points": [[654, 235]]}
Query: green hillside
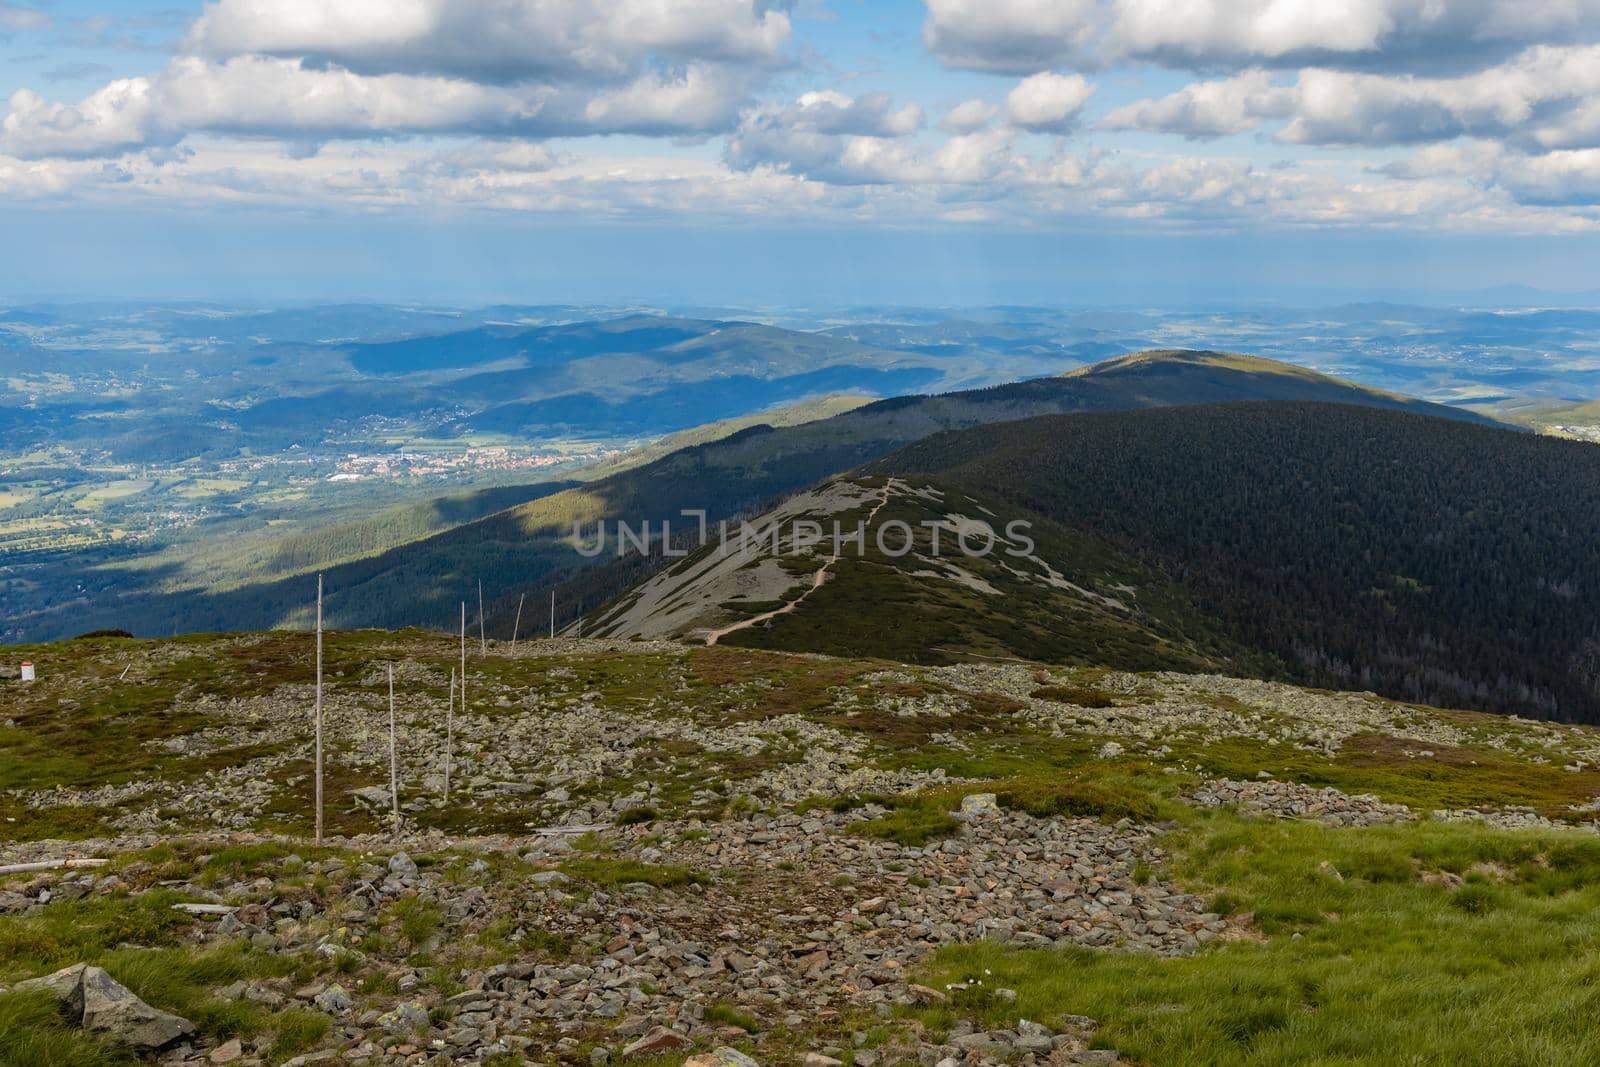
{"points": [[1125, 868], [1066, 598], [527, 549], [1430, 560]]}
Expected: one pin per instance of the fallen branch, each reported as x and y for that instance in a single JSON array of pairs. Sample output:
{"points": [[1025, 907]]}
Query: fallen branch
{"points": [[50, 865]]}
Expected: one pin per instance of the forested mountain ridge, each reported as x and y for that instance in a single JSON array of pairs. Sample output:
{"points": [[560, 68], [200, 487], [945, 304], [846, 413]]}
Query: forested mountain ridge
{"points": [[1426, 559], [528, 548], [1350, 547]]}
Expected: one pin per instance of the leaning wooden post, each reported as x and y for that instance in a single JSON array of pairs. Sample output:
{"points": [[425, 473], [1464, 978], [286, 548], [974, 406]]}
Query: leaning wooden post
{"points": [[319, 710], [483, 642], [394, 757], [552, 614], [517, 625]]}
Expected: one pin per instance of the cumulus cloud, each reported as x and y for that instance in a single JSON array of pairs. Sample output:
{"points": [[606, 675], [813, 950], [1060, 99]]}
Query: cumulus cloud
{"points": [[389, 103], [1207, 108], [1561, 179], [849, 139], [1022, 36], [1565, 178], [1547, 98], [1010, 36], [495, 40], [261, 96], [1048, 103], [844, 140], [1544, 96], [307, 70], [967, 116]]}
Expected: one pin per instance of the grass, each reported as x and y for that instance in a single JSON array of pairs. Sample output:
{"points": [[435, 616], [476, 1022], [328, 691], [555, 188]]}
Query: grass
{"points": [[1104, 799], [418, 920], [1080, 696], [914, 826], [606, 871], [33, 1033], [296, 1030], [1388, 967], [1479, 776], [722, 1013], [135, 938]]}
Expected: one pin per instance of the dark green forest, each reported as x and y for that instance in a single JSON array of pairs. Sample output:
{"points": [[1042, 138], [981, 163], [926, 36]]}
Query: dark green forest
{"points": [[1426, 559]]}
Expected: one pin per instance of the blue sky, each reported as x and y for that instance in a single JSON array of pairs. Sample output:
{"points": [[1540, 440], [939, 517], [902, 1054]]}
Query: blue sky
{"points": [[815, 152]]}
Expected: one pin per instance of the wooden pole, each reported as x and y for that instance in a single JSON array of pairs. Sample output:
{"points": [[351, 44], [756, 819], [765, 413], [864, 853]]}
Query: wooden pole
{"points": [[483, 642], [50, 865], [449, 732], [515, 626], [451, 728], [552, 614], [394, 757], [319, 710]]}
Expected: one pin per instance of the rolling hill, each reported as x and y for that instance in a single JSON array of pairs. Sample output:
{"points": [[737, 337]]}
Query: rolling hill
{"points": [[1426, 559], [527, 549]]}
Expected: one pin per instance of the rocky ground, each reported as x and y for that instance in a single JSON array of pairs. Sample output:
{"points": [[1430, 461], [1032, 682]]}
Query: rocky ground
{"points": [[655, 852]]}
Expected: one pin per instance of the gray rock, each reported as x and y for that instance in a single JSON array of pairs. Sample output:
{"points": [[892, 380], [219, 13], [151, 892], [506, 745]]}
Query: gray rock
{"points": [[408, 1018], [111, 1008], [334, 1000], [977, 805], [549, 878], [99, 1002], [722, 1056], [66, 985], [227, 1052], [657, 1042]]}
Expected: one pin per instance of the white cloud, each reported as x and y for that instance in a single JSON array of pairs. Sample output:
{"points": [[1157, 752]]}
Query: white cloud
{"points": [[1560, 179], [1544, 95], [259, 96], [107, 122], [1023, 36], [1566, 178], [395, 104], [1009, 36], [978, 178], [308, 70], [1048, 102], [495, 40], [967, 116], [849, 139], [1207, 108], [1547, 98]]}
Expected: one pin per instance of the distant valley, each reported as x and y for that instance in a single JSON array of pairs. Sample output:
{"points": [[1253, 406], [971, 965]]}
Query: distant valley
{"points": [[173, 468]]}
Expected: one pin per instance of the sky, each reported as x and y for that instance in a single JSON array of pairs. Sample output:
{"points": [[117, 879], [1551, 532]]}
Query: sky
{"points": [[814, 152]]}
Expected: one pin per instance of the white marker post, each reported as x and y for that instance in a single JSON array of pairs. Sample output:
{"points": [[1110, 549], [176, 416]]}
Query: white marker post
{"points": [[319, 710], [394, 758]]}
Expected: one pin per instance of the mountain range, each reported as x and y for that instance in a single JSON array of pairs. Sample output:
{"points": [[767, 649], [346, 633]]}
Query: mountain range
{"points": [[528, 549]]}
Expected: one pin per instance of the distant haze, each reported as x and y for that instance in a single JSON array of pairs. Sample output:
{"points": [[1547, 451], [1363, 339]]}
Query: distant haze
{"points": [[473, 260]]}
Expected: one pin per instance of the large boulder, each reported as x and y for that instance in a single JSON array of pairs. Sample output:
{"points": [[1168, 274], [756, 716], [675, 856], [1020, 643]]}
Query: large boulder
{"points": [[99, 1002], [66, 985], [110, 1007], [721, 1057]]}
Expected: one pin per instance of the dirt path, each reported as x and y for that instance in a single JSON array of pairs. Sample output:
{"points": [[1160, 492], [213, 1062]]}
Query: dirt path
{"points": [[817, 581]]}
